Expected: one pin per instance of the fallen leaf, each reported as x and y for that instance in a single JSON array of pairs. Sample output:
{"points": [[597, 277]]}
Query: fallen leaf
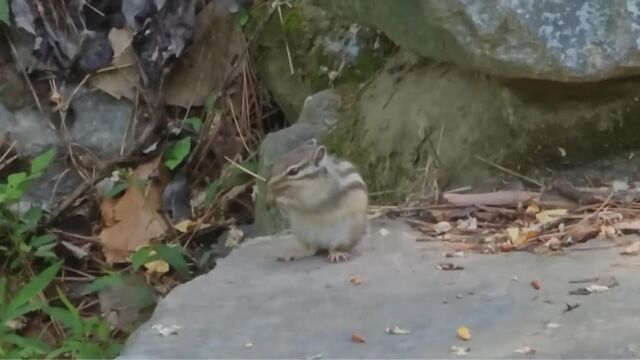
{"points": [[156, 266], [468, 224], [583, 231], [519, 236], [384, 232], [607, 231], [526, 350], [396, 330], [532, 209], [166, 330], [547, 216], [464, 333], [535, 284], [633, 249], [459, 351], [216, 45], [133, 220], [185, 225], [122, 81], [442, 227], [455, 254], [595, 288], [449, 266], [356, 280], [357, 338]]}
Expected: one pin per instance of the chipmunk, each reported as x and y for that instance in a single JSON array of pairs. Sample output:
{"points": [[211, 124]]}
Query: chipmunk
{"points": [[326, 200]]}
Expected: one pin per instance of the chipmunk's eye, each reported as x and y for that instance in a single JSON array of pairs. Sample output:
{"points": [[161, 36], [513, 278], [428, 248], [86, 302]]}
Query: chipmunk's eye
{"points": [[292, 172]]}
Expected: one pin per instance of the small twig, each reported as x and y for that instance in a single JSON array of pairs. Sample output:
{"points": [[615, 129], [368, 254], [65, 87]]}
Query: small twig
{"points": [[244, 169], [235, 121], [286, 42], [508, 171], [24, 72]]}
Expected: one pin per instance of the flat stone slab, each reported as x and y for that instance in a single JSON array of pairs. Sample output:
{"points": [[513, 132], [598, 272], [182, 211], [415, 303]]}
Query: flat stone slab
{"points": [[252, 306]]}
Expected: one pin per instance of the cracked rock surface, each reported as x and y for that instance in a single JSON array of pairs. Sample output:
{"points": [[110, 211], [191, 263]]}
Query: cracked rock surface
{"points": [[252, 306]]}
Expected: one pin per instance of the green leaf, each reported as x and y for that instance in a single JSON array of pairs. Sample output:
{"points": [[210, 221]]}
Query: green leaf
{"points": [[34, 287], [175, 257], [66, 318], [211, 192], [42, 161], [43, 240], [195, 122], [210, 103], [16, 180], [117, 189], [4, 12], [176, 154], [45, 251], [30, 219], [143, 256], [103, 283], [243, 17], [37, 346]]}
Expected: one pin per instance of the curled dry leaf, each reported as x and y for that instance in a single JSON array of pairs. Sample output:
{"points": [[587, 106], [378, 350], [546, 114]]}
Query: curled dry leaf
{"points": [[526, 350], [357, 338], [166, 330], [442, 227], [459, 350], [396, 330], [548, 216], [464, 333], [633, 249], [449, 266], [535, 284], [185, 225]]}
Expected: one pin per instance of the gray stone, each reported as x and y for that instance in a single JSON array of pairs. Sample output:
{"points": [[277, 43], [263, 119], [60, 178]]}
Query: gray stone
{"points": [[319, 113], [29, 128], [101, 122], [579, 40], [414, 109], [302, 309]]}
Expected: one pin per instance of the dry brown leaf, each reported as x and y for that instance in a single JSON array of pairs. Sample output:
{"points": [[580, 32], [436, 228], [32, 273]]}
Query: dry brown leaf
{"points": [[157, 266], [202, 70], [357, 338], [584, 231], [185, 225], [120, 82], [633, 249], [356, 280], [464, 333], [132, 220], [548, 216]]}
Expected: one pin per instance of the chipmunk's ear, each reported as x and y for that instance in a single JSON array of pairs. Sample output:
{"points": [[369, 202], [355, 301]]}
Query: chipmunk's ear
{"points": [[319, 155]]}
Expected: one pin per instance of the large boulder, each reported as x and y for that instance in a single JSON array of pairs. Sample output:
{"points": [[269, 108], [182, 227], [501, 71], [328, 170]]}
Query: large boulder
{"points": [[463, 124], [578, 40]]}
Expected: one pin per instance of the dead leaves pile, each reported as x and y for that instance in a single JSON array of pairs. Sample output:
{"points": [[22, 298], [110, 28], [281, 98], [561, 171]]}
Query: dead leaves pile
{"points": [[518, 220]]}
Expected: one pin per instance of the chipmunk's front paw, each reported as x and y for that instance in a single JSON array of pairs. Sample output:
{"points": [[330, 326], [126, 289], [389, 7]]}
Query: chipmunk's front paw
{"points": [[338, 256]]}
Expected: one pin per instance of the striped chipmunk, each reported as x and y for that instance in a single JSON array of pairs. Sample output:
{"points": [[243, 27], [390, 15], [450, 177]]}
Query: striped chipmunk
{"points": [[325, 199]]}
